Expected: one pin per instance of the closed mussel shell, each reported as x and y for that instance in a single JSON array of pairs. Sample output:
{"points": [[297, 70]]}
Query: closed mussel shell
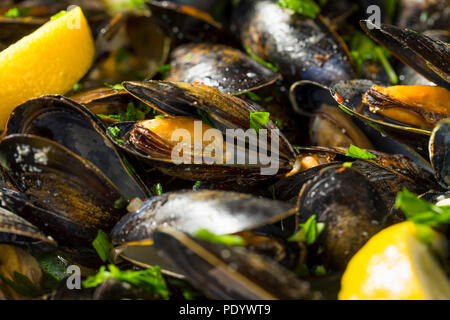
{"points": [[228, 272], [219, 66], [349, 220]]}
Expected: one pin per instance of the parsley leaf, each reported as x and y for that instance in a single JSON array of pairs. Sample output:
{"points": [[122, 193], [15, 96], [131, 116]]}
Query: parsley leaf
{"points": [[363, 48], [157, 189], [228, 239], [206, 118], [347, 164], [423, 213], [58, 15], [355, 152], [307, 8], [309, 231], [117, 86], [164, 70], [258, 120], [17, 12], [258, 59], [102, 245], [150, 280]]}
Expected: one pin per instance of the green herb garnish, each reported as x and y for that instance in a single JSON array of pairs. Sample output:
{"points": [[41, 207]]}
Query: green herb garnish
{"points": [[164, 70], [309, 231], [206, 118], [58, 15], [320, 271], [150, 280], [355, 152], [77, 86], [157, 189], [102, 245], [53, 269], [17, 12], [258, 120], [121, 203], [363, 48], [117, 86], [114, 131], [423, 213], [258, 59], [227, 239], [307, 8], [196, 185], [347, 164]]}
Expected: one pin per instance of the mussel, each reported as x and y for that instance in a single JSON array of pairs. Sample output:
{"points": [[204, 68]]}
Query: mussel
{"points": [[218, 66], [300, 47], [220, 110], [229, 272]]}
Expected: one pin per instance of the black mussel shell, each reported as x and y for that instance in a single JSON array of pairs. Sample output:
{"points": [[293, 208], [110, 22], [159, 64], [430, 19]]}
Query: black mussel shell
{"points": [[439, 149], [349, 95], [301, 48], [16, 230], [218, 66], [351, 209], [66, 196], [430, 57], [76, 128], [229, 272], [220, 212], [186, 24]]}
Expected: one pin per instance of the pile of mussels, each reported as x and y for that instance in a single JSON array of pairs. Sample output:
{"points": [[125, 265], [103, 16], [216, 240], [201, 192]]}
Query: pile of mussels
{"points": [[100, 158]]}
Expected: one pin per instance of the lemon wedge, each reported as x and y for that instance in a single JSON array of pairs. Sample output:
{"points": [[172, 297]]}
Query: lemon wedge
{"points": [[395, 265], [48, 61]]}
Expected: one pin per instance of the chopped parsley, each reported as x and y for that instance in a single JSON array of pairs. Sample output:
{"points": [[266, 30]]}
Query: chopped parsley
{"points": [[309, 231], [307, 8], [17, 12], [258, 59], [157, 189], [114, 131], [206, 118], [164, 70], [121, 203], [77, 87], [258, 120], [347, 164], [117, 86], [150, 280], [58, 15], [102, 245], [363, 48], [355, 152], [423, 213], [227, 239], [196, 185]]}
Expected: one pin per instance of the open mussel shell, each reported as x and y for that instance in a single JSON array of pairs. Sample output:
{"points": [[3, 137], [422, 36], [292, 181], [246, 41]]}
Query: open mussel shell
{"points": [[430, 57], [439, 149], [64, 195], [329, 126], [18, 231], [225, 111], [301, 48], [76, 128], [349, 95], [219, 66], [229, 272], [308, 98], [185, 23], [221, 212], [351, 209]]}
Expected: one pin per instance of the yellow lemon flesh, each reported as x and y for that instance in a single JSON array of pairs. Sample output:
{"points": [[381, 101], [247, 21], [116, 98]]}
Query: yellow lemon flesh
{"points": [[48, 61], [396, 265]]}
